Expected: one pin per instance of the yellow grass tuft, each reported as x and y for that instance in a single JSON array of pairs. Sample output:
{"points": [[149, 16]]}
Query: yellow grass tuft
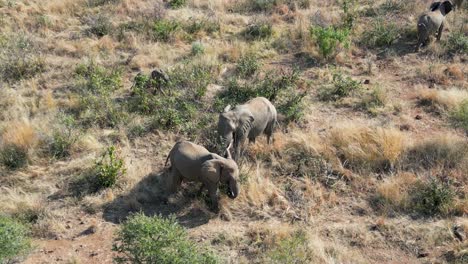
{"points": [[444, 99], [21, 134], [375, 148], [395, 190]]}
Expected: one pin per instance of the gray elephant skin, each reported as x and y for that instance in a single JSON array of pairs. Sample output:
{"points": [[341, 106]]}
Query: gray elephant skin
{"points": [[194, 163], [248, 120], [432, 22]]}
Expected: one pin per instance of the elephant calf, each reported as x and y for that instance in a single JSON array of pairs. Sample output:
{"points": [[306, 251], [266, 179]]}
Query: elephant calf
{"points": [[248, 120], [432, 22], [191, 162]]}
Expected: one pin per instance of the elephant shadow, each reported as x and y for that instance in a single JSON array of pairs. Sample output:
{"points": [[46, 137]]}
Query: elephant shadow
{"points": [[147, 197]]}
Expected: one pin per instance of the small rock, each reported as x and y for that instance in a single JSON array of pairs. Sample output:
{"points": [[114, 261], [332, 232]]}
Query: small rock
{"points": [[93, 254], [459, 233], [366, 81], [405, 127], [90, 230], [418, 117], [423, 254]]}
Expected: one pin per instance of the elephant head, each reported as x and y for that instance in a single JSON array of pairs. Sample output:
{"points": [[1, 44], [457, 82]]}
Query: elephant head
{"points": [[445, 7], [234, 123], [224, 171]]}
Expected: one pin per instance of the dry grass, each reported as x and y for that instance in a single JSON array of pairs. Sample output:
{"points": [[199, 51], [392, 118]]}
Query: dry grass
{"points": [[362, 147], [445, 100], [394, 192]]}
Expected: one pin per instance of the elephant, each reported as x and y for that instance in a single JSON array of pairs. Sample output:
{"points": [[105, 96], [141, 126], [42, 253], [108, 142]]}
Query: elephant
{"points": [[432, 22], [248, 120], [194, 163]]}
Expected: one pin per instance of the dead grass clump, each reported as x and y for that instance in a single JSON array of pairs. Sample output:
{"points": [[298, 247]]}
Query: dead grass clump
{"points": [[444, 151], [364, 148], [16, 142], [392, 194], [442, 99]]}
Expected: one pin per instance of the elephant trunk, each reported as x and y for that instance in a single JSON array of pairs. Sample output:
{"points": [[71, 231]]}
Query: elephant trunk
{"points": [[233, 190]]}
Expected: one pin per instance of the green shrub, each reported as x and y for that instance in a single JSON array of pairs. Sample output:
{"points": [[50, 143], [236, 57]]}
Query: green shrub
{"points": [[258, 31], [109, 168], [197, 48], [380, 34], [341, 87], [329, 39], [63, 139], [175, 4], [432, 198], [13, 156], [198, 25], [349, 13], [375, 99], [96, 86], [143, 239], [459, 116], [100, 26], [19, 58], [292, 250], [94, 3], [164, 30], [248, 65], [14, 240], [457, 42]]}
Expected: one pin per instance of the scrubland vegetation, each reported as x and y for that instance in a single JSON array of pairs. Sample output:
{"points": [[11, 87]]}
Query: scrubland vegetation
{"points": [[369, 163]]}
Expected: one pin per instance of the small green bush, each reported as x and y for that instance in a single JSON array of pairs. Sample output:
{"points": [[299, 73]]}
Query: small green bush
{"points": [[109, 168], [349, 13], [341, 87], [292, 250], [258, 31], [19, 58], [13, 156], [198, 25], [175, 4], [197, 48], [432, 198], [14, 240], [96, 86], [457, 42], [381, 34], [329, 39], [100, 26], [164, 30], [143, 239], [248, 65], [377, 98], [63, 139], [459, 116]]}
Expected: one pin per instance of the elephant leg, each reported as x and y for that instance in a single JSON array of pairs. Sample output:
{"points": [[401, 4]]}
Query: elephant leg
{"points": [[439, 34], [173, 181], [213, 193], [200, 191], [269, 131]]}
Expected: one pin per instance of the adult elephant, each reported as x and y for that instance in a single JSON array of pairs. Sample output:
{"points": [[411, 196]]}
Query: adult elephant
{"points": [[248, 120], [191, 162]]}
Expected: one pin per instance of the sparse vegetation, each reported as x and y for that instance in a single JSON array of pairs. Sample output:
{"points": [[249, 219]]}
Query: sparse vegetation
{"points": [[164, 30], [460, 116], [13, 156], [248, 65], [258, 31], [341, 86], [381, 34], [14, 240], [292, 250], [457, 42], [431, 198], [177, 3], [330, 39], [109, 168], [155, 239], [100, 26]]}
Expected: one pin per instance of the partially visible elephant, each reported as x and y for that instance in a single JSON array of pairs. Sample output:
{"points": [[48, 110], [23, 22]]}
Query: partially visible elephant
{"points": [[432, 22], [248, 120], [194, 163]]}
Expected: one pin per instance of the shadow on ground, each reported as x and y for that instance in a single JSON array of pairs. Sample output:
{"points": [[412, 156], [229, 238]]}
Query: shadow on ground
{"points": [[146, 197]]}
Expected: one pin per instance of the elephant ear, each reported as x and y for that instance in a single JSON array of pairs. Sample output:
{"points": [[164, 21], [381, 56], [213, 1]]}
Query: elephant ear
{"points": [[447, 7], [246, 121], [211, 169], [434, 6]]}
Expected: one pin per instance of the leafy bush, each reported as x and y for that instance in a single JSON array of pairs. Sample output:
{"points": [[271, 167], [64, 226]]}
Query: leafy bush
{"points": [[164, 30], [381, 34], [292, 250], [19, 58], [100, 26], [248, 65], [329, 39], [14, 240], [460, 116], [143, 239], [457, 42], [258, 31], [197, 48], [177, 3], [198, 25], [109, 168], [96, 86], [432, 198], [341, 87], [63, 139], [13, 156]]}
